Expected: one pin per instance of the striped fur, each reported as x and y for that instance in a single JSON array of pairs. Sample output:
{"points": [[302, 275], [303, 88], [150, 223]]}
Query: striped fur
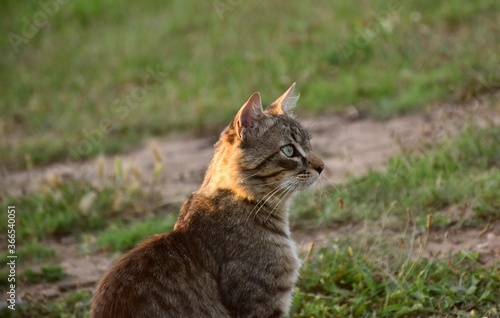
{"points": [[230, 253]]}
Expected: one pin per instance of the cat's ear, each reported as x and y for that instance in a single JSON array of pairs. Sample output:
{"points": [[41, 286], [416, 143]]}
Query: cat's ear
{"points": [[248, 114], [285, 103]]}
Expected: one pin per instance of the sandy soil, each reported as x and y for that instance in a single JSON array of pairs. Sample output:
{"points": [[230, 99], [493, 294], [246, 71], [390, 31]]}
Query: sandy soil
{"points": [[349, 145]]}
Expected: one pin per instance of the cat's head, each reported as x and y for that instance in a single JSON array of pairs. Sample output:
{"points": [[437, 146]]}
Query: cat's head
{"points": [[262, 151]]}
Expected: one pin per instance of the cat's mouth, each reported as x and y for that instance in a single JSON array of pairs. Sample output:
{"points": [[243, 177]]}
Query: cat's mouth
{"points": [[306, 179]]}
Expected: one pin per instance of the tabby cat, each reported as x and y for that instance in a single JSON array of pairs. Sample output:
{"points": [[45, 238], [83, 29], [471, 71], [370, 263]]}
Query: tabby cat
{"points": [[230, 253]]}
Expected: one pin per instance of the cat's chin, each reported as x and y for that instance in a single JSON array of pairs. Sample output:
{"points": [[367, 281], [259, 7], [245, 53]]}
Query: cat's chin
{"points": [[306, 180], [304, 185]]}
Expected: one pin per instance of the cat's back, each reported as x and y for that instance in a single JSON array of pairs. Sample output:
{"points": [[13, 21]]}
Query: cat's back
{"points": [[214, 259], [257, 262], [162, 277]]}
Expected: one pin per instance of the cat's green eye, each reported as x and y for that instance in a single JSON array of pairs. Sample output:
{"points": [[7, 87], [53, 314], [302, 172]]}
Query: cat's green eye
{"points": [[288, 150]]}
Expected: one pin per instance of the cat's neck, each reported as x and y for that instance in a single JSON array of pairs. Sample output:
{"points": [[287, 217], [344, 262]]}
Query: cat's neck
{"points": [[223, 173], [270, 213]]}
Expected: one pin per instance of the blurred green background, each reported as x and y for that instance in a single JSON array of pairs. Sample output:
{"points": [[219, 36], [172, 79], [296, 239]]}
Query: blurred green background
{"points": [[79, 78], [74, 74]]}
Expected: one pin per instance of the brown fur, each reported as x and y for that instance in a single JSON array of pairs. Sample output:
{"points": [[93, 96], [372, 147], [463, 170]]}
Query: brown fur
{"points": [[230, 253]]}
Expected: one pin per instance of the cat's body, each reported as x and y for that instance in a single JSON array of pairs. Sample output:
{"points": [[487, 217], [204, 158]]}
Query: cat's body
{"points": [[230, 254]]}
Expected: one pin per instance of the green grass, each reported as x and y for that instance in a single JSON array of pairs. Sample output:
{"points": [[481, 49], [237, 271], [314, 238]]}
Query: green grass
{"points": [[462, 174], [32, 251], [75, 207], [379, 273], [46, 274], [72, 208], [27, 253], [338, 283], [65, 91], [74, 305], [120, 237], [351, 281], [102, 76], [375, 274]]}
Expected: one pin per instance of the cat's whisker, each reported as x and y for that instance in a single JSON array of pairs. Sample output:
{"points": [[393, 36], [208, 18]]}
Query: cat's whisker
{"points": [[325, 196], [261, 202], [248, 177], [325, 193], [282, 195], [288, 192], [322, 186], [256, 213], [263, 185], [312, 124], [330, 182], [285, 190]]}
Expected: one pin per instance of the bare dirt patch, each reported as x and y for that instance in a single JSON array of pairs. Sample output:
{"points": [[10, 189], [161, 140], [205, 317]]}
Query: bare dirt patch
{"points": [[349, 146], [84, 271], [485, 242], [481, 243]]}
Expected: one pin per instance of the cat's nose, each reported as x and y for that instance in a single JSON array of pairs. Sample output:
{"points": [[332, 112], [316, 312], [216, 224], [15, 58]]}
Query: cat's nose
{"points": [[316, 163], [320, 168]]}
